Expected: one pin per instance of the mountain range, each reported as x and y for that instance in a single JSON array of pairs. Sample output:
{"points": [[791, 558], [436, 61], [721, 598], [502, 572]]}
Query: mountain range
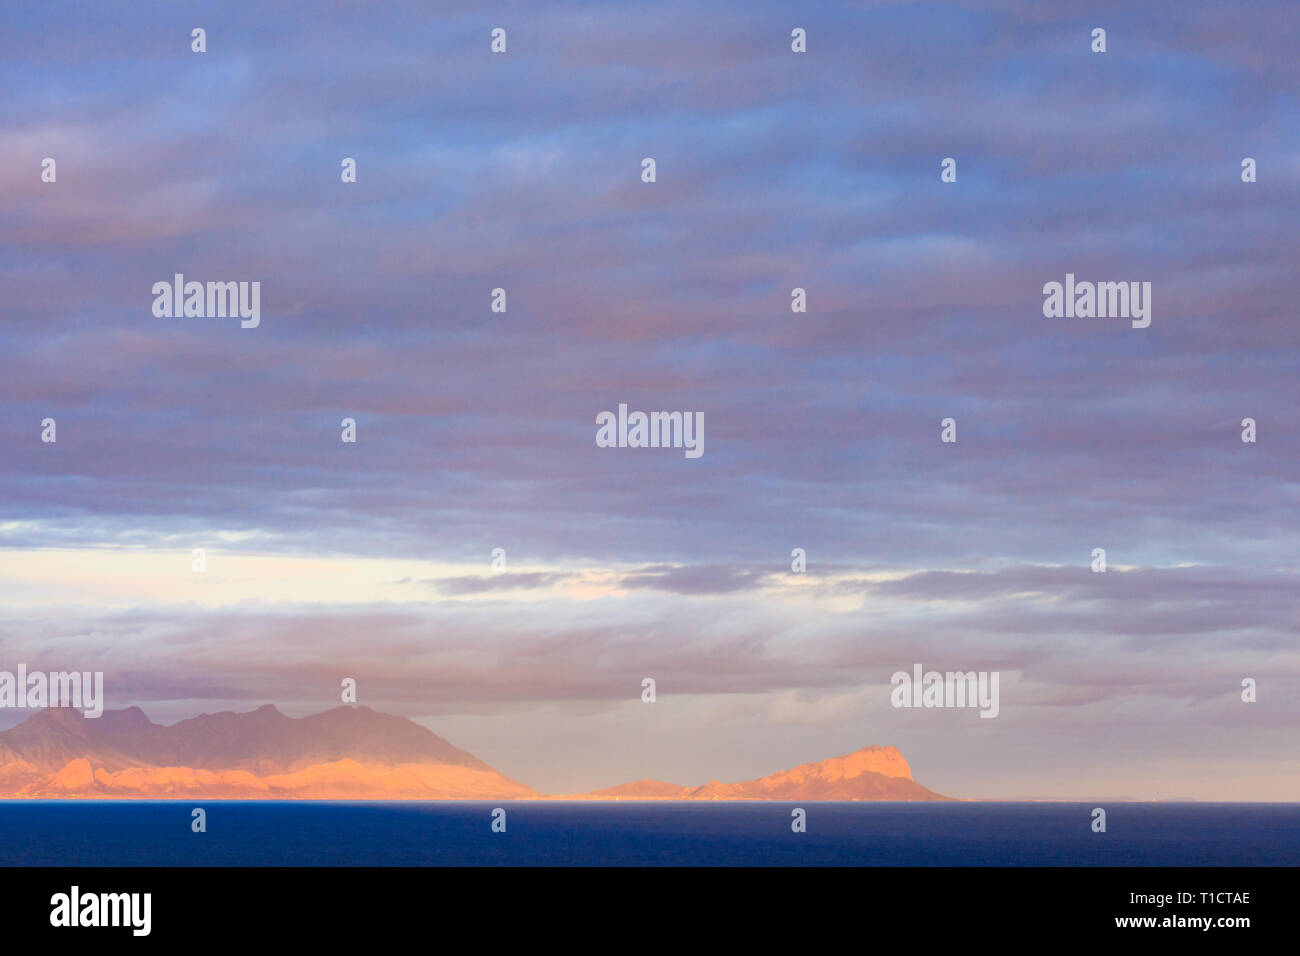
{"points": [[872, 773], [348, 753]]}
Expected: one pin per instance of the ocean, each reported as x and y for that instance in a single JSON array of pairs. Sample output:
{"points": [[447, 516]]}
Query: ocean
{"points": [[626, 833]]}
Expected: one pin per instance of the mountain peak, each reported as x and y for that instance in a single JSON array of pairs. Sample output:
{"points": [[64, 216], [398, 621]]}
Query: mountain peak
{"points": [[343, 753], [132, 718], [883, 760], [55, 720], [347, 752], [263, 739], [871, 773]]}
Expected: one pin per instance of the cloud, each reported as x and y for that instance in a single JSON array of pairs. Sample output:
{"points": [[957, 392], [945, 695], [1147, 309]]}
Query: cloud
{"points": [[515, 581], [689, 580], [476, 429]]}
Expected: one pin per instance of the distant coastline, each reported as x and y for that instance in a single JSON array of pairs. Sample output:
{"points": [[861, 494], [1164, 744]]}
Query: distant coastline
{"points": [[351, 754]]}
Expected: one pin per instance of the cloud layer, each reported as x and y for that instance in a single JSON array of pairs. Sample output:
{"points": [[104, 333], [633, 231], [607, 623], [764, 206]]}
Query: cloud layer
{"points": [[476, 429]]}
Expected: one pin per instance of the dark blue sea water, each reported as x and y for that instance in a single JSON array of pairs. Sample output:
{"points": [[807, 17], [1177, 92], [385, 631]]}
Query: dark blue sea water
{"points": [[157, 833]]}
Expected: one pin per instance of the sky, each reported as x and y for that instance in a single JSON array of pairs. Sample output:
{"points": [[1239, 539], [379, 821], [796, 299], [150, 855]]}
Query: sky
{"points": [[476, 429]]}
